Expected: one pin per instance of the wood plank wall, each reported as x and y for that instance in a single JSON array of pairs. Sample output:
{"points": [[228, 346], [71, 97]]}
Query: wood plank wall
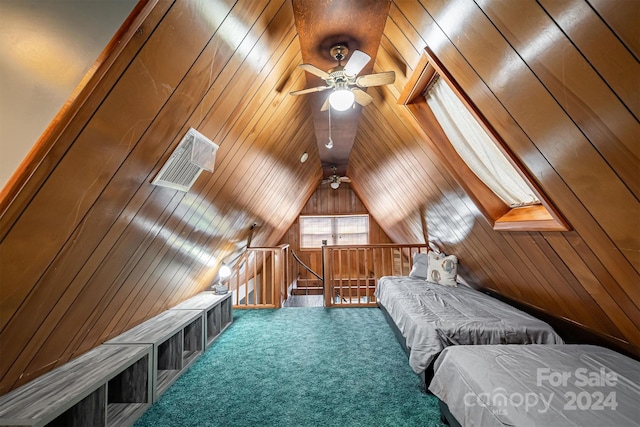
{"points": [[89, 248], [326, 201], [559, 82]]}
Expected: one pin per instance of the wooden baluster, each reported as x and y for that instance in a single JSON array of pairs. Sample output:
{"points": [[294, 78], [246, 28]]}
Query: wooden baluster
{"points": [[246, 280], [348, 276], [358, 273]]}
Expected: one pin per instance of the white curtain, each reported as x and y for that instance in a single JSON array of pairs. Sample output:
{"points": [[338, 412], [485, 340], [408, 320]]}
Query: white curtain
{"points": [[476, 148]]}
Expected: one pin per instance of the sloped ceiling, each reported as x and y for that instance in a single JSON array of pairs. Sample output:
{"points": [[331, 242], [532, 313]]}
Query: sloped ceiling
{"points": [[320, 27], [89, 247]]}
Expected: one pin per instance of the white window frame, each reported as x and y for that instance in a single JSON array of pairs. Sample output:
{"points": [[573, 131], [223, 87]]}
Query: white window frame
{"points": [[332, 234]]}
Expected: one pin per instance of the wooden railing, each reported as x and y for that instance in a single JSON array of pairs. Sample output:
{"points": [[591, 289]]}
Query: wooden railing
{"points": [[260, 278], [263, 277], [305, 280], [351, 272]]}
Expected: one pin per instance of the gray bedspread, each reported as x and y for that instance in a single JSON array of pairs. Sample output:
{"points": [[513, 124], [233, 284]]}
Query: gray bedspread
{"points": [[432, 317], [538, 385]]}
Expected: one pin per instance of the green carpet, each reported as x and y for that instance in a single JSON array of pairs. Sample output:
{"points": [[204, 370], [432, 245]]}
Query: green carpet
{"points": [[299, 367]]}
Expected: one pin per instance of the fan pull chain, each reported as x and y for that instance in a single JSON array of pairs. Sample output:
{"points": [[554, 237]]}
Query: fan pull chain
{"points": [[329, 144]]}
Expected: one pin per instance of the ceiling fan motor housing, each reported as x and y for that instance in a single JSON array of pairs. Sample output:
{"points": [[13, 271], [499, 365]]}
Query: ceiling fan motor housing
{"points": [[340, 79], [339, 51], [345, 80]]}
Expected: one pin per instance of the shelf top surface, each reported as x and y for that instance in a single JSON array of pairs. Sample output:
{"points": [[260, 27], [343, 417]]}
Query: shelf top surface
{"points": [[69, 382], [202, 301], [158, 328]]}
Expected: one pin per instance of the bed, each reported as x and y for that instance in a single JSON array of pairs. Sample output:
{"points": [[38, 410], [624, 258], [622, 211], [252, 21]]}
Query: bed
{"points": [[427, 317], [537, 385]]}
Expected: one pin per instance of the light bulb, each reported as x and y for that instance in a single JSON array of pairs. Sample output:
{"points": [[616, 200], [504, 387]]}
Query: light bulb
{"points": [[341, 99], [329, 144], [335, 184], [225, 271]]}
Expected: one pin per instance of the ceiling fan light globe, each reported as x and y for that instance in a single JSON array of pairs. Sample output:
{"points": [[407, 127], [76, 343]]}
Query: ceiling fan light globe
{"points": [[335, 185], [341, 100]]}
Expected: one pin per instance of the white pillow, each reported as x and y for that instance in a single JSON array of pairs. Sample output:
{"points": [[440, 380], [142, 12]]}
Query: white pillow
{"points": [[442, 270], [419, 268]]}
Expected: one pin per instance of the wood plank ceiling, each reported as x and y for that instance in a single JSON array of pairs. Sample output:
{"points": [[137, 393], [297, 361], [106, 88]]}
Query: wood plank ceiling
{"points": [[89, 248], [320, 26]]}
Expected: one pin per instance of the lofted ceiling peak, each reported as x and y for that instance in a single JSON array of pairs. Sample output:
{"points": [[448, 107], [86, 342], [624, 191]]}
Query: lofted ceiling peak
{"points": [[321, 25]]}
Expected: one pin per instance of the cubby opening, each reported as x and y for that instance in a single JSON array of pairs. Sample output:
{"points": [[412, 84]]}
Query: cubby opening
{"points": [[226, 312], [127, 393], [214, 323], [90, 411], [169, 360], [192, 347]]}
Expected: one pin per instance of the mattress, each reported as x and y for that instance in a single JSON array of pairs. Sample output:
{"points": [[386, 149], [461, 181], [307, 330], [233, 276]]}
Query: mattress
{"points": [[538, 385], [432, 317]]}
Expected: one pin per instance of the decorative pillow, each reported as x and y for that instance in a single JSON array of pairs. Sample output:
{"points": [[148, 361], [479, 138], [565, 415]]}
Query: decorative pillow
{"points": [[419, 269], [442, 270]]}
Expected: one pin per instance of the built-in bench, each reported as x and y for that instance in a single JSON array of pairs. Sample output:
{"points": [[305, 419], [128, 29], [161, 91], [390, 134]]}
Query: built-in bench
{"points": [[109, 385], [114, 383], [177, 337], [217, 313]]}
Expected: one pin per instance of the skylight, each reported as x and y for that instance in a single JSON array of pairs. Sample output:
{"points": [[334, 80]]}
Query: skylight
{"points": [[476, 147]]}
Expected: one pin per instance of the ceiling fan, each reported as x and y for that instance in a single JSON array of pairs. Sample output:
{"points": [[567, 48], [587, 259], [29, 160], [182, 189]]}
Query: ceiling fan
{"points": [[344, 80], [335, 180]]}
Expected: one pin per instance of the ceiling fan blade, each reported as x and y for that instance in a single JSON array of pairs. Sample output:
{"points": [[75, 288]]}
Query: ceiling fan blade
{"points": [[315, 71], [325, 106], [356, 63], [362, 97], [345, 179], [310, 90], [379, 79]]}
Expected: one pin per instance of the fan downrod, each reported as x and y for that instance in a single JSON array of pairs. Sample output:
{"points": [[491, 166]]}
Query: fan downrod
{"points": [[339, 52]]}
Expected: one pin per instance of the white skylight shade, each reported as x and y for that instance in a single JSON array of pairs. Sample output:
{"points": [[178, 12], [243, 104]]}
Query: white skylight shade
{"points": [[194, 154], [476, 148]]}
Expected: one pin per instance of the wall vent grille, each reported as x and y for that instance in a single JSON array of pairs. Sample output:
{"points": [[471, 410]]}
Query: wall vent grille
{"points": [[194, 154]]}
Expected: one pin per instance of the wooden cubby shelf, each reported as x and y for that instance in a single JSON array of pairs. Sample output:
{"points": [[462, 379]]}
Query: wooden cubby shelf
{"points": [[216, 310], [177, 337], [109, 385], [114, 383]]}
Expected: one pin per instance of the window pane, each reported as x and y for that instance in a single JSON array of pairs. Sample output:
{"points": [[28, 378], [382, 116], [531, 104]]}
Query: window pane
{"points": [[476, 147], [336, 230], [352, 230], [313, 230]]}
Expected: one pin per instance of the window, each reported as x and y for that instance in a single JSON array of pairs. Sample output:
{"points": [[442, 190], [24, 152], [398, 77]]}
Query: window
{"points": [[531, 210], [476, 147], [335, 229]]}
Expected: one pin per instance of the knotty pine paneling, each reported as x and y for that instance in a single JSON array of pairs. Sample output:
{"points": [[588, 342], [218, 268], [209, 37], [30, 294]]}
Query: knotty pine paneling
{"points": [[581, 156]]}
